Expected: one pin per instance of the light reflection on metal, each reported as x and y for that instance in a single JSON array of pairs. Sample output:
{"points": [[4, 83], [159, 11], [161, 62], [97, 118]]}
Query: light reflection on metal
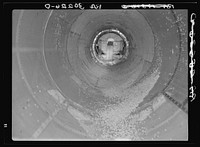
{"points": [[94, 54]]}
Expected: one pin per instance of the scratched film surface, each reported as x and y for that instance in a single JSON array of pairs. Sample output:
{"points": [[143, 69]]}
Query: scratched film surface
{"points": [[58, 93]]}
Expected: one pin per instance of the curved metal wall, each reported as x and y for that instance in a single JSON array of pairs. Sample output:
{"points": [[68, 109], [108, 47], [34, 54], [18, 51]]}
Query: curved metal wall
{"points": [[60, 92]]}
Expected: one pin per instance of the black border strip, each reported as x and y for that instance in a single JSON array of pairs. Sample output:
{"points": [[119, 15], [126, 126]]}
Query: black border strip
{"points": [[7, 73]]}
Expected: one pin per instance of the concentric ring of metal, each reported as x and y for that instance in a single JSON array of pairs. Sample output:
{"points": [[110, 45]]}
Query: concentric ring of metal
{"points": [[141, 98], [95, 42], [88, 23]]}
